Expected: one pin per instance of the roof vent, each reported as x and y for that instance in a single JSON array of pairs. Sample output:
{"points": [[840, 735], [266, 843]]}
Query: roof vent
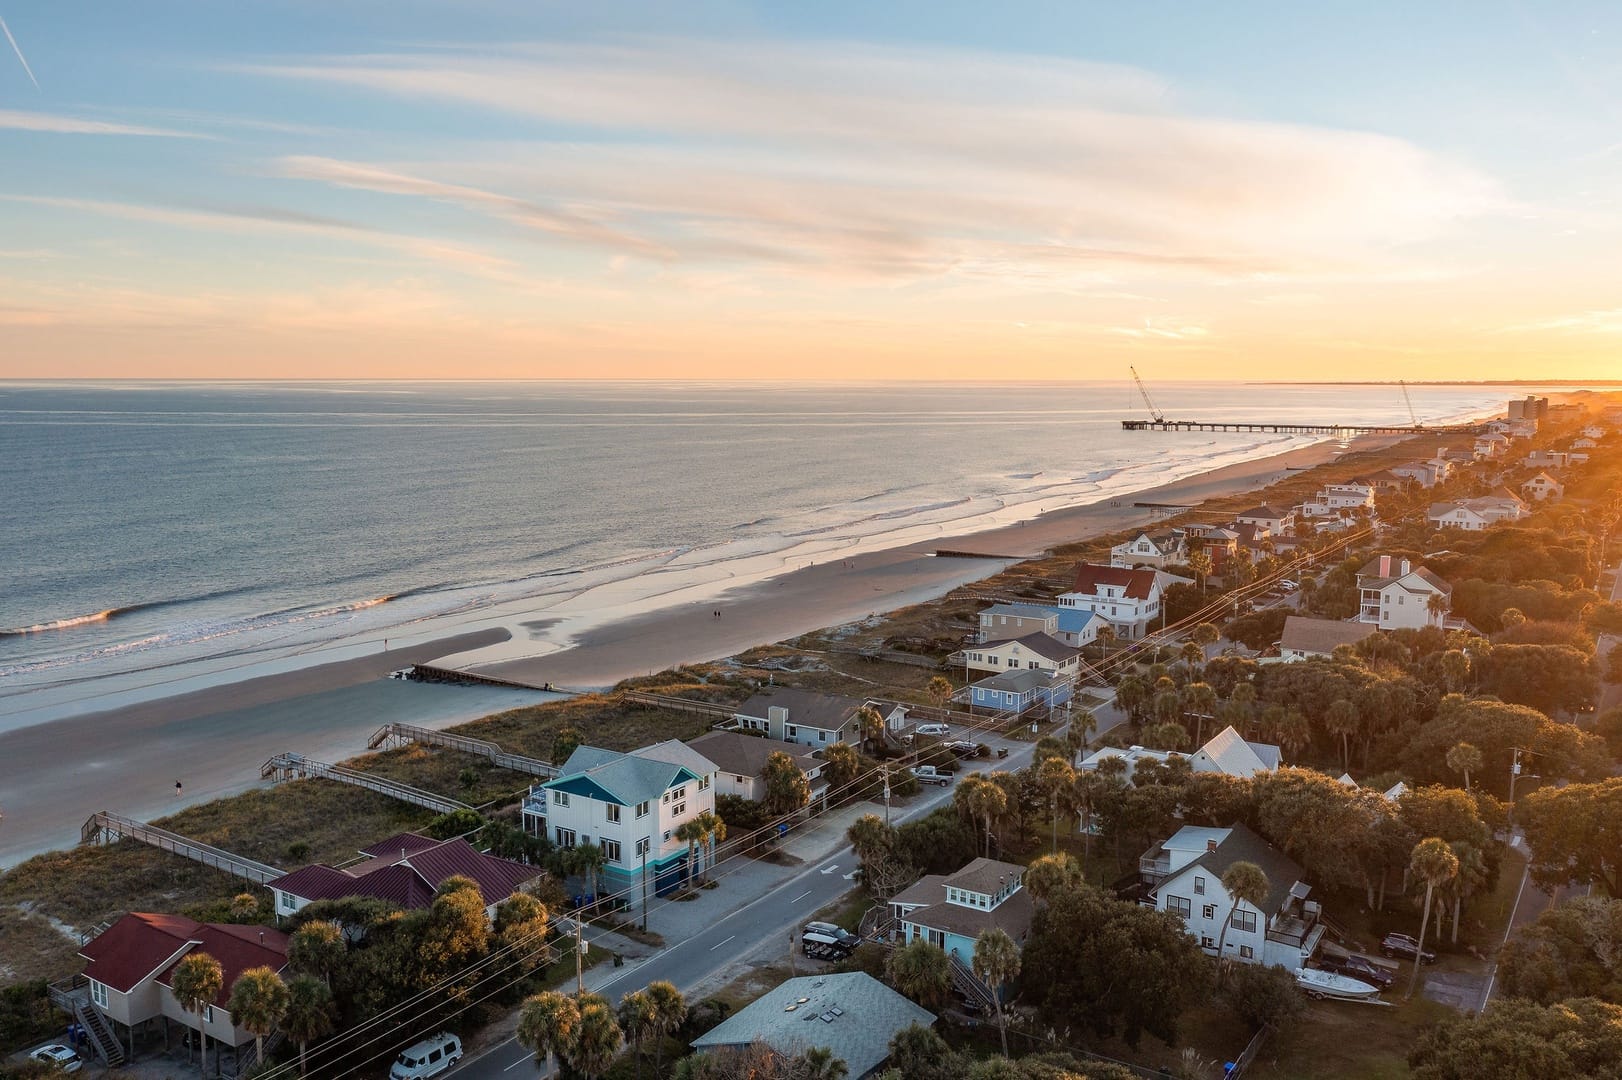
{"points": [[1210, 844]]}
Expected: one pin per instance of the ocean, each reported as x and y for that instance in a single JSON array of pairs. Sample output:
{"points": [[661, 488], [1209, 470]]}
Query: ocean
{"points": [[148, 526]]}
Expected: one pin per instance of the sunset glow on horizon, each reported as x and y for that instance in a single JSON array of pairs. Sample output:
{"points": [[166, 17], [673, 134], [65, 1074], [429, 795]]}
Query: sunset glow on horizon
{"points": [[508, 190]]}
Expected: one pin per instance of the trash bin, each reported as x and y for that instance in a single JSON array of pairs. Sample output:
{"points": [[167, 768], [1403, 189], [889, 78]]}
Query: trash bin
{"points": [[619, 959]]}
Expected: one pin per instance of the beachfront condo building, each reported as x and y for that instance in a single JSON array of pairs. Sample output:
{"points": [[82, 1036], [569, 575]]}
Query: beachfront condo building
{"points": [[630, 806], [1129, 600]]}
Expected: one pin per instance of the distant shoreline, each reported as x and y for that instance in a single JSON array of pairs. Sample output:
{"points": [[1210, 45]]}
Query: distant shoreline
{"points": [[1563, 383]]}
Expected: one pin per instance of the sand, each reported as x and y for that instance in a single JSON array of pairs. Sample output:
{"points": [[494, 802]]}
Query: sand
{"points": [[214, 739]]}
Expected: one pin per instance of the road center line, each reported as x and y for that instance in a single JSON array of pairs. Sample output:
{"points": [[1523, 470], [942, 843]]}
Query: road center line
{"points": [[802, 896], [718, 944]]}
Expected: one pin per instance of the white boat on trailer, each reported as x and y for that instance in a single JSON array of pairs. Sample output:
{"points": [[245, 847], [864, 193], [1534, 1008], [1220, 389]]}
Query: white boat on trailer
{"points": [[1326, 984]]}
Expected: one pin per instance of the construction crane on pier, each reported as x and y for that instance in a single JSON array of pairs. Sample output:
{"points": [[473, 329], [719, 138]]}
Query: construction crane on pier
{"points": [[1147, 400], [1412, 415]]}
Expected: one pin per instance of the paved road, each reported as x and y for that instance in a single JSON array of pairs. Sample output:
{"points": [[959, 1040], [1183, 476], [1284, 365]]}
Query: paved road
{"points": [[776, 914], [1610, 693]]}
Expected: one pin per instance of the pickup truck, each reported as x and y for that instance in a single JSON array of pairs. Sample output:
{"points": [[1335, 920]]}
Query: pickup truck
{"points": [[927, 774]]}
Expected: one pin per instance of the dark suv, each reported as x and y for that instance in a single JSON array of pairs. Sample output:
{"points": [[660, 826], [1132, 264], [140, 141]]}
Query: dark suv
{"points": [[1401, 945], [1360, 968]]}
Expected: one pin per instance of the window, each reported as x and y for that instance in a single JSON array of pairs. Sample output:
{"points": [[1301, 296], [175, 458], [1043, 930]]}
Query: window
{"points": [[560, 798], [1246, 953], [613, 811], [1244, 920], [680, 793], [678, 810], [1180, 905], [611, 850], [1199, 886], [208, 1014], [737, 779], [822, 736], [703, 783], [98, 993], [565, 837], [1207, 941], [642, 847], [667, 836], [1208, 912], [791, 731], [666, 799], [642, 808]]}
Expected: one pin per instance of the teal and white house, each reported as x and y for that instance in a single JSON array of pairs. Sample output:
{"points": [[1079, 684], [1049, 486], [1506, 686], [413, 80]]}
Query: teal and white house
{"points": [[952, 910], [630, 805]]}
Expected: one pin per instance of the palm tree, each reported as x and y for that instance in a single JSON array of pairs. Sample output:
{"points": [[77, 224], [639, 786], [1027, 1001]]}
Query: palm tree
{"points": [[1199, 701], [939, 690], [1205, 634], [996, 961], [636, 1018], [980, 799], [1435, 864], [310, 1014], [691, 833], [1088, 786], [1055, 776], [715, 834], [196, 982], [258, 1000], [244, 906], [1051, 874], [1191, 655], [786, 788], [1079, 733], [317, 948], [1246, 883], [1131, 694], [1341, 719], [1199, 561], [590, 861], [1436, 606], [548, 1024], [871, 725], [1462, 758], [869, 836], [820, 1064], [840, 766], [669, 1013], [921, 971], [1294, 731], [1105, 637], [1455, 669]]}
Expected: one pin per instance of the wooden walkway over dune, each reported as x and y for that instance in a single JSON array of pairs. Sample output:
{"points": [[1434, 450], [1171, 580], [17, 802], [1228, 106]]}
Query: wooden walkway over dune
{"points": [[679, 704], [400, 734], [297, 766], [108, 827]]}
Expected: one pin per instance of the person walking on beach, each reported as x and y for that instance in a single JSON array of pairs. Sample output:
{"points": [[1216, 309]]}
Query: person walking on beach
{"points": [[177, 789]]}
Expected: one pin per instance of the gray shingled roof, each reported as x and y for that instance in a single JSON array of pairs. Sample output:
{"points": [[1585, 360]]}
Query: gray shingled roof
{"points": [[852, 1014], [1022, 680], [1242, 845], [806, 708], [984, 876], [743, 754], [1322, 635], [1044, 645]]}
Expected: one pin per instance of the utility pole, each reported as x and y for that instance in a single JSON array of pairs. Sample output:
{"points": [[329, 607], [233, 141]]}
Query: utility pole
{"points": [[886, 769], [580, 945], [1514, 774], [644, 886]]}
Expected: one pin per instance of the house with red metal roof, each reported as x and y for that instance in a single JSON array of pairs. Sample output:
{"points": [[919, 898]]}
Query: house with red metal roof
{"points": [[405, 870], [1128, 599], [130, 964]]}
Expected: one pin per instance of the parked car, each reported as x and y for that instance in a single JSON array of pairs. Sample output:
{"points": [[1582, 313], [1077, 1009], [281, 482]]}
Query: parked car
{"points": [[63, 1057], [828, 929], [928, 774], [936, 730], [1288, 586], [1401, 945], [430, 1057], [824, 947], [963, 748], [1358, 967]]}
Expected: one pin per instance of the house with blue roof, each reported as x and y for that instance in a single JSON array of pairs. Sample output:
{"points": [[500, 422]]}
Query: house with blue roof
{"points": [[630, 805]]}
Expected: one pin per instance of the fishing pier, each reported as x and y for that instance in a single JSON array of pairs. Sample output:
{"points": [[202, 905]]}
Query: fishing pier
{"points": [[1299, 429]]}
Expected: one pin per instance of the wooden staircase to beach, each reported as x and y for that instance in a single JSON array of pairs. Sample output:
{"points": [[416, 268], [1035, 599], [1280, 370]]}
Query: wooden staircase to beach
{"points": [[108, 827], [395, 734], [292, 766], [73, 998]]}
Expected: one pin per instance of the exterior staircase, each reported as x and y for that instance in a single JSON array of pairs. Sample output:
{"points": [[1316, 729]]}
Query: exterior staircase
{"points": [[967, 983], [73, 997]]}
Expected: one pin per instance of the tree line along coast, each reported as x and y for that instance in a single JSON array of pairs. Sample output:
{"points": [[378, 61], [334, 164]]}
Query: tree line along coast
{"points": [[1418, 774]]}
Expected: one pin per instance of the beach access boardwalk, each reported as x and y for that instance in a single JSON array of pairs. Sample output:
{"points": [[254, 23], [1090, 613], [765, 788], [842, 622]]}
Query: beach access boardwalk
{"points": [[108, 827], [295, 766], [399, 734], [679, 704]]}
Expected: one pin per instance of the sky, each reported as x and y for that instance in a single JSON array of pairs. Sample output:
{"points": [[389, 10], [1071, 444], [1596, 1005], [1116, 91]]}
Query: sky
{"points": [[943, 190]]}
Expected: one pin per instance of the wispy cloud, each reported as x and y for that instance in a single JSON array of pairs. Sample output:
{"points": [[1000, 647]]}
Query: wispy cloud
{"points": [[896, 164], [14, 120], [1603, 321], [19, 51]]}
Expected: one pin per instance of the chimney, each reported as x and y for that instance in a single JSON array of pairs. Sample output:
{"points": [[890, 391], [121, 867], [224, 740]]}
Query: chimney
{"points": [[261, 937], [1210, 845], [1385, 566], [1405, 566]]}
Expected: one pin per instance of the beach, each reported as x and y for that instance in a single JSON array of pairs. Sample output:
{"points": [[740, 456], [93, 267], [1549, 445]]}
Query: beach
{"points": [[214, 738]]}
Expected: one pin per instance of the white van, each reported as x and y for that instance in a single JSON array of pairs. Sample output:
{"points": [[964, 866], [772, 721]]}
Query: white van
{"points": [[428, 1058]]}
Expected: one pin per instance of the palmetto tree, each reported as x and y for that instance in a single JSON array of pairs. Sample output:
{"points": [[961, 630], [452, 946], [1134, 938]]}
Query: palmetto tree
{"points": [[548, 1024], [1199, 701], [317, 948], [1463, 758], [1341, 719], [1052, 874], [871, 725], [921, 971], [1132, 693], [820, 1064], [1089, 784], [258, 1000], [1105, 636], [996, 961], [636, 1020], [1434, 863], [669, 1013], [1082, 726], [787, 789], [1055, 776], [590, 861], [1436, 606], [1294, 731], [869, 836], [1246, 883], [1455, 669], [1199, 561], [981, 800], [939, 690], [715, 833], [196, 982], [692, 834], [310, 1014]]}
